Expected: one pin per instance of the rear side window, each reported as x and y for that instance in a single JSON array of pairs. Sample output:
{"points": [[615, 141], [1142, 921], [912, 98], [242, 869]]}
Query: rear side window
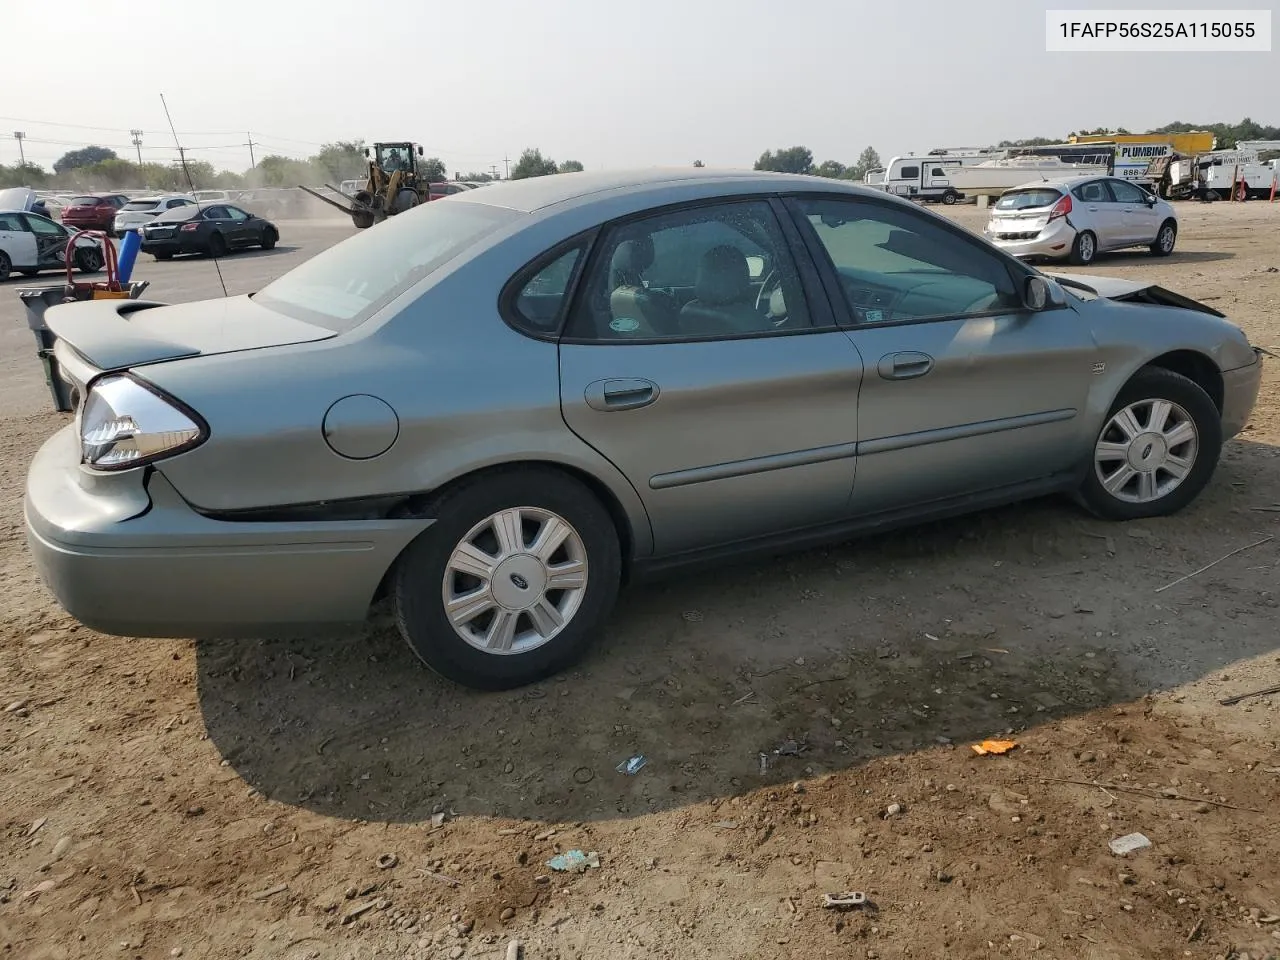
{"points": [[345, 285], [540, 299], [1027, 199]]}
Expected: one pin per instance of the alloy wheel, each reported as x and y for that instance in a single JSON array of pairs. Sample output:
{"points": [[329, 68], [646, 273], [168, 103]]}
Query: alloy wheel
{"points": [[1146, 450], [515, 580]]}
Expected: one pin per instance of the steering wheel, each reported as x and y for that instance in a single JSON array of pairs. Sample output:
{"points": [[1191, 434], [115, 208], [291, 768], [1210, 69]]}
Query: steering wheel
{"points": [[771, 280]]}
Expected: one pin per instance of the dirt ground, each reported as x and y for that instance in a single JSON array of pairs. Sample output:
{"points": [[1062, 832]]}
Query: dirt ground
{"points": [[807, 724]]}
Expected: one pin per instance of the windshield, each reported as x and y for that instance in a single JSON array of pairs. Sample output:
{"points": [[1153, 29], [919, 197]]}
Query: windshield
{"points": [[141, 205], [346, 284], [1027, 199]]}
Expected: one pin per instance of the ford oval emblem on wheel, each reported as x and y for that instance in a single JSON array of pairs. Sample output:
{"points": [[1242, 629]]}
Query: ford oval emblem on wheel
{"points": [[520, 581]]}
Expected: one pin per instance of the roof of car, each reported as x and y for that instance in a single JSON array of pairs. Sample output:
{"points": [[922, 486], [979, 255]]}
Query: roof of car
{"points": [[1064, 182], [535, 193]]}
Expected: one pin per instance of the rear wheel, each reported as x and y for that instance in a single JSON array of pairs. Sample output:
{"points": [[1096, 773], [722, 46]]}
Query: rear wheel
{"points": [[950, 198], [1165, 239], [217, 245], [1084, 249], [1157, 449], [6, 265], [512, 581], [269, 238], [163, 256]]}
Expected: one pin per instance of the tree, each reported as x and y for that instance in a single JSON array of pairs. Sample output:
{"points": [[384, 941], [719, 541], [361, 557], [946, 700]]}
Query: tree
{"points": [[475, 176], [830, 168], [698, 163], [23, 175], [868, 160], [571, 166], [790, 160], [84, 157], [275, 170], [432, 170], [341, 160], [533, 164]]}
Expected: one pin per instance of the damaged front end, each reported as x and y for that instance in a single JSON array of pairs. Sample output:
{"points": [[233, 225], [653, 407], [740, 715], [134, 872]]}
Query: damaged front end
{"points": [[1113, 288]]}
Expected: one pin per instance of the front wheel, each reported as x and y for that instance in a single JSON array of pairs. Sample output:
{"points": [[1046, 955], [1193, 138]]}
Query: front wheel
{"points": [[88, 260], [1157, 449], [269, 238], [6, 265], [1165, 239], [1084, 249], [512, 581]]}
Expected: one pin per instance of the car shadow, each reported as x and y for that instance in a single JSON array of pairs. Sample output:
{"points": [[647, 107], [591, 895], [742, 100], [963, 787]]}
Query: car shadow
{"points": [[755, 674], [1178, 256]]}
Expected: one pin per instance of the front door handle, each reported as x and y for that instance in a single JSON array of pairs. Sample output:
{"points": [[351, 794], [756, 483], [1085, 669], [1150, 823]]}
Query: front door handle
{"points": [[608, 395], [904, 365]]}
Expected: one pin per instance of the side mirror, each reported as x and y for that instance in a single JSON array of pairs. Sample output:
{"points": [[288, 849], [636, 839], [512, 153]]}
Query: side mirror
{"points": [[1040, 293], [419, 151]]}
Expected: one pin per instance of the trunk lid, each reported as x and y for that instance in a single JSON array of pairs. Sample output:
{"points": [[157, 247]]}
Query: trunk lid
{"points": [[115, 334]]}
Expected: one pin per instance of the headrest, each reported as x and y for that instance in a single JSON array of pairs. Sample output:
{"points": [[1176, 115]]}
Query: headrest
{"points": [[631, 259], [723, 277]]}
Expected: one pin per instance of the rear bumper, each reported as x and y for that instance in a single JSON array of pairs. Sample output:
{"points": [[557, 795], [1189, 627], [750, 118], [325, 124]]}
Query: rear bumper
{"points": [[130, 557], [1053, 241], [1239, 394], [171, 246]]}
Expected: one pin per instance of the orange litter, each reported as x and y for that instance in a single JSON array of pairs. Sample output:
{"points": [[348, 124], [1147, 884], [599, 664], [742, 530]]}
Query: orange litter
{"points": [[994, 746]]}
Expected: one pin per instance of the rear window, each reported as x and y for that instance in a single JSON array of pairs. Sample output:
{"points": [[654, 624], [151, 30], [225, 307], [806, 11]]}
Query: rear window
{"points": [[83, 202], [1027, 199], [141, 205], [343, 286], [178, 214]]}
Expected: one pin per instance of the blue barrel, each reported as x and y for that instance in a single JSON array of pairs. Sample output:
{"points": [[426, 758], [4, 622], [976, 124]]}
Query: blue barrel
{"points": [[129, 248]]}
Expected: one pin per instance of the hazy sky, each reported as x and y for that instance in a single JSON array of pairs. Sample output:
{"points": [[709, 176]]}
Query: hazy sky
{"points": [[605, 82]]}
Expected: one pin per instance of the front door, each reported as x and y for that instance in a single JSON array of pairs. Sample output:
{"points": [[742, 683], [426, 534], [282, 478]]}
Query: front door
{"points": [[697, 364], [1141, 219], [964, 390], [50, 241]]}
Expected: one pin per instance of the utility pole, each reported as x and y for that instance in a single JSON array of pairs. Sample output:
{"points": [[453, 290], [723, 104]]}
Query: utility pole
{"points": [[507, 162], [252, 162], [493, 168], [137, 143], [20, 136]]}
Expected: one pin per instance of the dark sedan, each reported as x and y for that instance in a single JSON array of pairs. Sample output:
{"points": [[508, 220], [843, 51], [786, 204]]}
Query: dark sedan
{"points": [[213, 229]]}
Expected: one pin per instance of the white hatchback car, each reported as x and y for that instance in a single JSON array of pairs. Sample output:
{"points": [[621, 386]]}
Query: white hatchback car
{"points": [[1080, 217], [135, 213]]}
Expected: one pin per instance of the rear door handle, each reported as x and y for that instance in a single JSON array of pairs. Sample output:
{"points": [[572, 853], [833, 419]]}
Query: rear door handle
{"points": [[905, 365], [608, 395]]}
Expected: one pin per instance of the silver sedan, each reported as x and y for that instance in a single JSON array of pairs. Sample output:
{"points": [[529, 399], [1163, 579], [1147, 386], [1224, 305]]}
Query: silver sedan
{"points": [[498, 407], [1077, 218]]}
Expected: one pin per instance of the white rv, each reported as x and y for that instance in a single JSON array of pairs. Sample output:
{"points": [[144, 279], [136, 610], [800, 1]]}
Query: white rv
{"points": [[927, 177]]}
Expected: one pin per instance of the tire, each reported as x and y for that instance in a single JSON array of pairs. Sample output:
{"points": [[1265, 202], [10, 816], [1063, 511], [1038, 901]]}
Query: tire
{"points": [[217, 246], [88, 260], [1166, 237], [950, 198], [163, 256], [1189, 404], [269, 238], [465, 514], [1210, 196], [1084, 249], [29, 273], [6, 265]]}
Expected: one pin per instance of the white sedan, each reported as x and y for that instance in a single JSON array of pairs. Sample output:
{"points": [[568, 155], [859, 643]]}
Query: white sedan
{"points": [[145, 209], [30, 243]]}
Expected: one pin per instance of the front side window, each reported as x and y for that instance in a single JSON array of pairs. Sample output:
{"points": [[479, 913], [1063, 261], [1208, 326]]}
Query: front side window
{"points": [[44, 227], [345, 285], [896, 265], [1126, 192], [541, 296], [709, 271]]}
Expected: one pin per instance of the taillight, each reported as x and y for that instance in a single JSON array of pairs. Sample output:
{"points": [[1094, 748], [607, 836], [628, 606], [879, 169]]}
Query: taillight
{"points": [[126, 424], [1061, 208], [189, 227]]}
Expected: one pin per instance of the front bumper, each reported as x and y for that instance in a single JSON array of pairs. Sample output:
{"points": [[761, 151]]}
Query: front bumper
{"points": [[128, 556], [1053, 241], [1239, 394]]}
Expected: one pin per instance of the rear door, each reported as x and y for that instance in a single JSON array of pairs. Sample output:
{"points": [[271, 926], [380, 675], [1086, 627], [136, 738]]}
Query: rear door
{"points": [[17, 241], [730, 403], [964, 390], [1099, 213]]}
